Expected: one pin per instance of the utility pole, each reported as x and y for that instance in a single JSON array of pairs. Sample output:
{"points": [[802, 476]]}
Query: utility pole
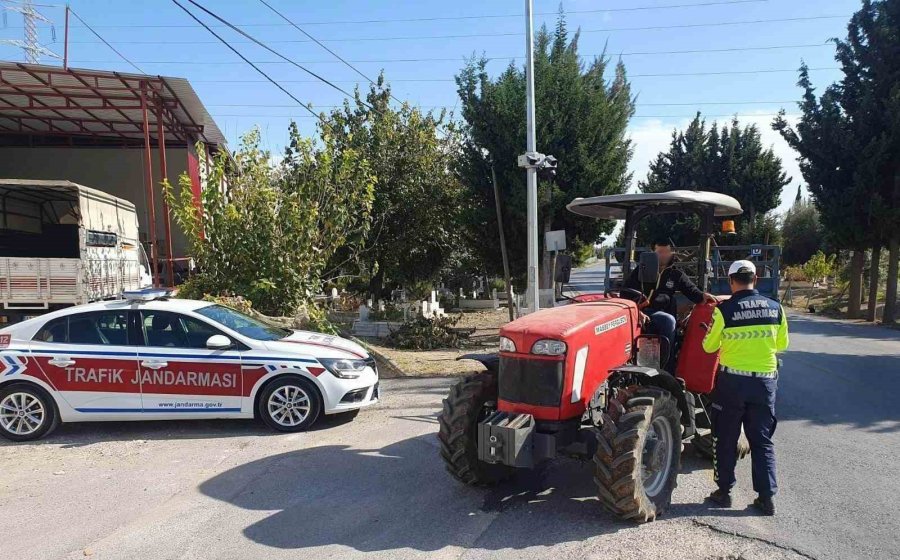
{"points": [[532, 293], [506, 278]]}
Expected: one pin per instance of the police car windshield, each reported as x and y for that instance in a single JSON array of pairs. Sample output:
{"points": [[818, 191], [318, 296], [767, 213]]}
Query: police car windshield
{"points": [[243, 324]]}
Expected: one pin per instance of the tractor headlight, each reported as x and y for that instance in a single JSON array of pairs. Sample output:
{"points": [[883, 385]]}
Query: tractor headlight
{"points": [[344, 368], [549, 347], [507, 345]]}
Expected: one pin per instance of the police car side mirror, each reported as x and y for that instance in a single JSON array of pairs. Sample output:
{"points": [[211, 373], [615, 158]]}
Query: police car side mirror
{"points": [[218, 342]]}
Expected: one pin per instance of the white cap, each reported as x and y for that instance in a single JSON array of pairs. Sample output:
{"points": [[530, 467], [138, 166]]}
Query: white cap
{"points": [[741, 266]]}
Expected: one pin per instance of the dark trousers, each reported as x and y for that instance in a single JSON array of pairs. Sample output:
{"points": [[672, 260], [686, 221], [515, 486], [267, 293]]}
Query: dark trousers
{"points": [[748, 401], [663, 324]]}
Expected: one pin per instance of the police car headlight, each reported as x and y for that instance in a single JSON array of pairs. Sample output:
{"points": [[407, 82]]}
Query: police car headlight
{"points": [[344, 368], [549, 347], [507, 345]]}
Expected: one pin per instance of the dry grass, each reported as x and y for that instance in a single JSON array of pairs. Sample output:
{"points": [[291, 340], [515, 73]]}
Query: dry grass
{"points": [[426, 363]]}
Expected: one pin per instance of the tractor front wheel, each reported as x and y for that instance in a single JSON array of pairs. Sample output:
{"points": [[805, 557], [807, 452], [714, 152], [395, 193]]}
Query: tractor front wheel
{"points": [[638, 453], [471, 400]]}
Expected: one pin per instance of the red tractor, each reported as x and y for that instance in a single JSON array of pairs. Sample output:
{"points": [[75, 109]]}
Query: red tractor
{"points": [[583, 380]]}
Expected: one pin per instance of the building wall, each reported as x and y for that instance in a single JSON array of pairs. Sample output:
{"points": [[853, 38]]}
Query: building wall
{"points": [[117, 171]]}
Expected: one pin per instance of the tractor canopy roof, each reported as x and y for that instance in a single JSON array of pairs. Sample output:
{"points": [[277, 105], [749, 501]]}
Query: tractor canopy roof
{"points": [[617, 206]]}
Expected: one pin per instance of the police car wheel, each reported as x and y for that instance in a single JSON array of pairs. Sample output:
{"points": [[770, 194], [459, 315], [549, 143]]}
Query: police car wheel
{"points": [[26, 412], [290, 404]]}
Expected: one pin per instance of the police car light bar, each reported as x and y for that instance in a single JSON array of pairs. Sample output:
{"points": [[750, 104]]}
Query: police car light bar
{"points": [[146, 294]]}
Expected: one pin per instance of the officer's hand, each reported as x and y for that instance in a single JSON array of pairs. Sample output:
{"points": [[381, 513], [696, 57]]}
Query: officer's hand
{"points": [[709, 298], [645, 319]]}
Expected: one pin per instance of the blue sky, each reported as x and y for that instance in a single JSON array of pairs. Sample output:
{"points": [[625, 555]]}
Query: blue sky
{"points": [[161, 39]]}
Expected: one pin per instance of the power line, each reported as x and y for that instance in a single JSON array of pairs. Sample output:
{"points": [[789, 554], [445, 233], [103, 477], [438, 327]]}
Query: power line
{"points": [[273, 51], [455, 18], [513, 34], [424, 80], [336, 55], [739, 115], [105, 42], [235, 51], [639, 103], [489, 58]]}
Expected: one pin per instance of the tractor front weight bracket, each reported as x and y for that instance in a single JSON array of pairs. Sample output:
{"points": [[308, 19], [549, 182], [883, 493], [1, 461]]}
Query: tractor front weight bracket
{"points": [[511, 439]]}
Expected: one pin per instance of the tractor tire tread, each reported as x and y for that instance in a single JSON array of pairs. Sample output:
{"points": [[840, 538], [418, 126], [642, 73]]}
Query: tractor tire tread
{"points": [[458, 431], [617, 460]]}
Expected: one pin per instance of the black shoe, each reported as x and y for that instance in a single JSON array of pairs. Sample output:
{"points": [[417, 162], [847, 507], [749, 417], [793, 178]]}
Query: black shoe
{"points": [[720, 497], [765, 505]]}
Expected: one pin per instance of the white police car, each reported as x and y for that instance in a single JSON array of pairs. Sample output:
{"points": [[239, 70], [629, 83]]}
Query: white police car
{"points": [[148, 357]]}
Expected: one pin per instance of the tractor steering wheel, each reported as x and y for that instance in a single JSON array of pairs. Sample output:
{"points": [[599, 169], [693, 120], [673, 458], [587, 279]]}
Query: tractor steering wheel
{"points": [[628, 293]]}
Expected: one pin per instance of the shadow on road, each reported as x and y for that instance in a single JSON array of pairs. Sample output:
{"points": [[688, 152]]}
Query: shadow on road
{"points": [[80, 434], [399, 496]]}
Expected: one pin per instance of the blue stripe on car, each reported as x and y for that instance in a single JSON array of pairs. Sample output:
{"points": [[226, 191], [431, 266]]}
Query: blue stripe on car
{"points": [[115, 410]]}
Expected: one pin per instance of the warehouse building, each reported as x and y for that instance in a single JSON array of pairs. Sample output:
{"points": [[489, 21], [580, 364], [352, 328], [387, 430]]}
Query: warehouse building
{"points": [[117, 132]]}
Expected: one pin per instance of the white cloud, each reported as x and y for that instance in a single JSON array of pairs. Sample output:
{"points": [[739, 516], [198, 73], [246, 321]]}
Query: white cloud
{"points": [[652, 136]]}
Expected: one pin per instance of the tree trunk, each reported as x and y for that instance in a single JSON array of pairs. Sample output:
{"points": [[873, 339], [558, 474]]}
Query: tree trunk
{"points": [[376, 285], [856, 269], [546, 273], [752, 215], [874, 277], [890, 297]]}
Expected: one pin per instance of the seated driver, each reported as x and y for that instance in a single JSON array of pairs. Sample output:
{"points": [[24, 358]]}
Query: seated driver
{"points": [[662, 307]]}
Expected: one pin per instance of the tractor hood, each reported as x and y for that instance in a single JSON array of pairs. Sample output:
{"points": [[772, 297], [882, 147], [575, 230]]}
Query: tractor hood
{"points": [[571, 323]]}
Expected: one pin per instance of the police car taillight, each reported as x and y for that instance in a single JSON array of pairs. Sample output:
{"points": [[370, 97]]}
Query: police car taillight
{"points": [[146, 294]]}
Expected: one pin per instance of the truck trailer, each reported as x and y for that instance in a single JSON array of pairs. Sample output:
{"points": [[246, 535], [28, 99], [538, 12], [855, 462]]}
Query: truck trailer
{"points": [[64, 244]]}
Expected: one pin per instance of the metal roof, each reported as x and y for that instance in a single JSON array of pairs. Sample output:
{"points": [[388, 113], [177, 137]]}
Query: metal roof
{"points": [[41, 100], [615, 207]]}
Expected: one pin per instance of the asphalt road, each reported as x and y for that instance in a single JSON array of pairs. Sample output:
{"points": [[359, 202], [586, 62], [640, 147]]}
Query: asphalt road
{"points": [[591, 278], [837, 441], [375, 487]]}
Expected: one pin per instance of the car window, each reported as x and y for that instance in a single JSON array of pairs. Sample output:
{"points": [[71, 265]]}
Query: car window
{"points": [[96, 327], [56, 330], [196, 332], [243, 324], [162, 328]]}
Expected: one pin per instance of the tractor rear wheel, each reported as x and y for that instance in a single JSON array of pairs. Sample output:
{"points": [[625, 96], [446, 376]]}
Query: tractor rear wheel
{"points": [[471, 400], [638, 453]]}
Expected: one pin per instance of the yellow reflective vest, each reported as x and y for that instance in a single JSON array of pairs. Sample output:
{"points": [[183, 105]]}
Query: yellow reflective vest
{"points": [[748, 330]]}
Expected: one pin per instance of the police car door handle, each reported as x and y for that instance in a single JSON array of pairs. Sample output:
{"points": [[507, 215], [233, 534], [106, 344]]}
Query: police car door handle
{"points": [[154, 364], [61, 362]]}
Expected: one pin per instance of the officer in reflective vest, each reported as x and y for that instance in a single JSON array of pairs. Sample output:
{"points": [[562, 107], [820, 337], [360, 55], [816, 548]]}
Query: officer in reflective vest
{"points": [[748, 329]]}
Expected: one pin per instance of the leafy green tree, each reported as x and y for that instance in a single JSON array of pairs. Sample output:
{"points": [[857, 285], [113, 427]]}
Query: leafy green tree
{"points": [[266, 231], [802, 232], [848, 140], [817, 269], [411, 154], [731, 160], [581, 119]]}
